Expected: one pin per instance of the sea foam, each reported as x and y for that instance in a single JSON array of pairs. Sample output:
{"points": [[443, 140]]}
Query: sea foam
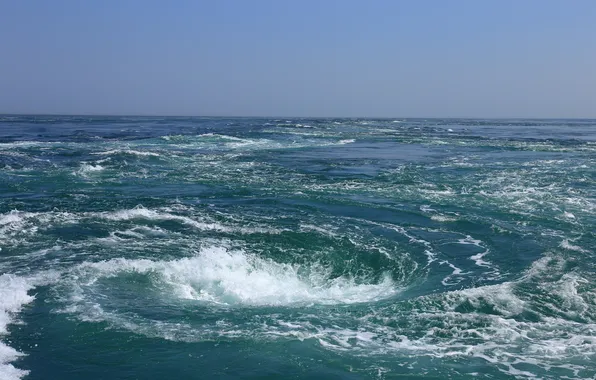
{"points": [[233, 277], [13, 296]]}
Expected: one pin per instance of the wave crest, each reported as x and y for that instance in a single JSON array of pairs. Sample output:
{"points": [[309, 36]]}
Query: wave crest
{"points": [[221, 276]]}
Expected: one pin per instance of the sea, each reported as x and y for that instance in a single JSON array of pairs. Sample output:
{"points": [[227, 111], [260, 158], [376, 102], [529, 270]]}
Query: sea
{"points": [[297, 248]]}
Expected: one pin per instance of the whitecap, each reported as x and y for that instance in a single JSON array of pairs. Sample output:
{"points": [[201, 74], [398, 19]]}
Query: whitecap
{"points": [[144, 213], [127, 151], [567, 245], [222, 276], [87, 169], [443, 218]]}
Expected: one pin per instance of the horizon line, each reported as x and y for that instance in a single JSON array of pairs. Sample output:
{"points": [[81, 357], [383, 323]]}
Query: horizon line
{"points": [[295, 117]]}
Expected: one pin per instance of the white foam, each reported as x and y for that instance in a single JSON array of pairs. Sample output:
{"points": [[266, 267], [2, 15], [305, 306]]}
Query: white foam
{"points": [[218, 275], [427, 208], [226, 137], [86, 169], [443, 218], [521, 348], [23, 144], [479, 261], [15, 226], [91, 168], [543, 266], [13, 296], [140, 212], [13, 217], [428, 251], [501, 296], [346, 141], [325, 229], [567, 245], [457, 272], [127, 151], [496, 340]]}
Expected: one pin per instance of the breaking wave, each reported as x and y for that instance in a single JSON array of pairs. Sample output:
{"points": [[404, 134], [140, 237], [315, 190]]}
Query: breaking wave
{"points": [[222, 276]]}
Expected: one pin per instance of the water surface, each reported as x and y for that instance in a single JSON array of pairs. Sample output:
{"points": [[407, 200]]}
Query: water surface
{"points": [[240, 248]]}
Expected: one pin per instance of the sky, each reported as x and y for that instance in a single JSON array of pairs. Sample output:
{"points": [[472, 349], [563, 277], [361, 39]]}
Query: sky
{"points": [[341, 58]]}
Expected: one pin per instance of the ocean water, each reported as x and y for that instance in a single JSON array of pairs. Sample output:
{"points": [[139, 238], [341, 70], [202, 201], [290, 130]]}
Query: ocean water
{"points": [[240, 248]]}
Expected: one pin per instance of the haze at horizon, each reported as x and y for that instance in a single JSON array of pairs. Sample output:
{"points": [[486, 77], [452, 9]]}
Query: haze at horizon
{"points": [[334, 58]]}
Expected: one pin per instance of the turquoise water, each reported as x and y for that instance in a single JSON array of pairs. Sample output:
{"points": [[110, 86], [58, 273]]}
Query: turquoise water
{"points": [[238, 248]]}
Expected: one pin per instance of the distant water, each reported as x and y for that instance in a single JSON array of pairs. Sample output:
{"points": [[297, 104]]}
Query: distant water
{"points": [[214, 248]]}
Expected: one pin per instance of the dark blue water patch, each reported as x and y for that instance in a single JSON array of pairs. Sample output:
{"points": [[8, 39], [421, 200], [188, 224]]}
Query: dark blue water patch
{"points": [[359, 211]]}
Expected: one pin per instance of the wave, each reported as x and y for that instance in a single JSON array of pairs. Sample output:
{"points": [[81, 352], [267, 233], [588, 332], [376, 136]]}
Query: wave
{"points": [[87, 169], [443, 218], [131, 152], [21, 144], [140, 212], [17, 225], [233, 277], [215, 141]]}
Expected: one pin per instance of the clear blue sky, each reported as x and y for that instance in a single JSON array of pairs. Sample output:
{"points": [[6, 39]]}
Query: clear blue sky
{"points": [[416, 58]]}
